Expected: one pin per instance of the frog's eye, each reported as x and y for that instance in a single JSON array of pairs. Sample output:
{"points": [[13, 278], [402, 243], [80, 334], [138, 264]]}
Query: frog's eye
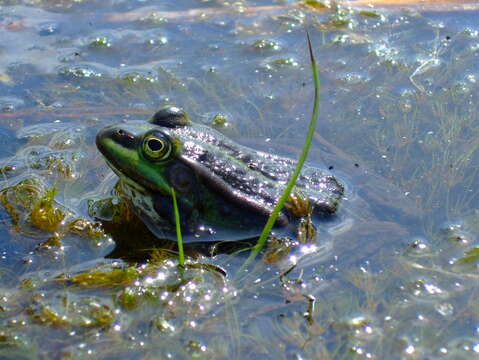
{"points": [[156, 147]]}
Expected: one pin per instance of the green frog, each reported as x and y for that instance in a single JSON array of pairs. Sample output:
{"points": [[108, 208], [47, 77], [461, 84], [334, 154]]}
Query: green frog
{"points": [[225, 191]]}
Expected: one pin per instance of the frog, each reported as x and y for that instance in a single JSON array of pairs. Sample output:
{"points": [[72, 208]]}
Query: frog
{"points": [[225, 191]]}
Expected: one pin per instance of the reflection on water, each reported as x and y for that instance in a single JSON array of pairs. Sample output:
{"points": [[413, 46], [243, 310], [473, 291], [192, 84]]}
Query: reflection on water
{"points": [[393, 276]]}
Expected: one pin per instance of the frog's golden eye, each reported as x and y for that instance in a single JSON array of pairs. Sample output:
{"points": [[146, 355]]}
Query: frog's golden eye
{"points": [[156, 147]]}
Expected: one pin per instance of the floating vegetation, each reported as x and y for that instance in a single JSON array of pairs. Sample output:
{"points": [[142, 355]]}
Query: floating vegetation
{"points": [[284, 62], [298, 205], [137, 78], [87, 313], [340, 20], [32, 208], [53, 242], [86, 228], [316, 4], [79, 72], [100, 42], [277, 249], [370, 14], [291, 20], [266, 45], [21, 199], [306, 231], [158, 41], [220, 120], [152, 283], [122, 276], [471, 256], [154, 18]]}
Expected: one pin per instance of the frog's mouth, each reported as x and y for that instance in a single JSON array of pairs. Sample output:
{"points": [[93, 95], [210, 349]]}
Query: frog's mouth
{"points": [[127, 179]]}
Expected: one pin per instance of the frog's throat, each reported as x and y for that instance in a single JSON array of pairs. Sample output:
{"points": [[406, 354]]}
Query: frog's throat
{"points": [[127, 180]]}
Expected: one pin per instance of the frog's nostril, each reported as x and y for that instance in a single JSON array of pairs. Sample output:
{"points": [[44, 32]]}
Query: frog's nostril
{"points": [[119, 136]]}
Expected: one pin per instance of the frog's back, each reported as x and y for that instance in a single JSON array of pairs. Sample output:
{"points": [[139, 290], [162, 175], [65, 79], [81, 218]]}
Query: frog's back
{"points": [[255, 175]]}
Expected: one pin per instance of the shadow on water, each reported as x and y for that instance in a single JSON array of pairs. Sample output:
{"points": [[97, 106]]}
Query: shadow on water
{"points": [[139, 247]]}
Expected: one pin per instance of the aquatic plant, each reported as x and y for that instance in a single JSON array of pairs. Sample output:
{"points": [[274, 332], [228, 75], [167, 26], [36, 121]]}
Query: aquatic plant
{"points": [[181, 254], [44, 215], [302, 158]]}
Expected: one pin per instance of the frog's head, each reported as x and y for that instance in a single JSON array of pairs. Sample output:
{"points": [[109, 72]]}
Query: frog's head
{"points": [[169, 152], [145, 154]]}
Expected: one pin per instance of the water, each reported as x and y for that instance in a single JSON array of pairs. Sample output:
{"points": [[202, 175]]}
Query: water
{"points": [[396, 277]]}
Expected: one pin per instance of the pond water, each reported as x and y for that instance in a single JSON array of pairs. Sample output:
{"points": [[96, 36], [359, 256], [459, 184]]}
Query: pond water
{"points": [[395, 276]]}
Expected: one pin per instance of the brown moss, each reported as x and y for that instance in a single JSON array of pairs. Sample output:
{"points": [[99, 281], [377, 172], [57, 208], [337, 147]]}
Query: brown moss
{"points": [[298, 205], [106, 279]]}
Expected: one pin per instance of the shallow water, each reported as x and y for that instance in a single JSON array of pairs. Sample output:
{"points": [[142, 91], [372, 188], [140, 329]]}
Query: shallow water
{"points": [[394, 275]]}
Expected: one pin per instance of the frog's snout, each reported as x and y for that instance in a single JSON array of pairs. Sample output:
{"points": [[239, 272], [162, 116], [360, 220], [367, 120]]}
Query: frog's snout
{"points": [[116, 134]]}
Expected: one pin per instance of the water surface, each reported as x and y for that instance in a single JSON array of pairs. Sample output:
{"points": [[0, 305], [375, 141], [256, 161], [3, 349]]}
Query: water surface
{"points": [[393, 276]]}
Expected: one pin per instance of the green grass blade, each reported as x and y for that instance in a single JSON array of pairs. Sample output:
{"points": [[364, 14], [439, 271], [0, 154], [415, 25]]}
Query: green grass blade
{"points": [[179, 238], [302, 158]]}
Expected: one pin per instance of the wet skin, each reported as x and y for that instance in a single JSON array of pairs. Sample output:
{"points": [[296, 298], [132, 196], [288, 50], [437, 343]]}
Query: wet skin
{"points": [[225, 191]]}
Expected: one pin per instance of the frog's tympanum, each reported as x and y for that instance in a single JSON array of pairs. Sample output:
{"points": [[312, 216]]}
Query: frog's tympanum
{"points": [[225, 191]]}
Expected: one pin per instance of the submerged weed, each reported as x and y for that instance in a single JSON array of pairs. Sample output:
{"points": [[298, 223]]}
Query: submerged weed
{"points": [[30, 201], [316, 4], [19, 198], [44, 214], [105, 279], [298, 205], [82, 315], [277, 249], [86, 228], [470, 256], [306, 232]]}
